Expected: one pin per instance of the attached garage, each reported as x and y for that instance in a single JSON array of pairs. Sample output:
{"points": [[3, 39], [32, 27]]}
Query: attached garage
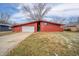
{"points": [[27, 27]]}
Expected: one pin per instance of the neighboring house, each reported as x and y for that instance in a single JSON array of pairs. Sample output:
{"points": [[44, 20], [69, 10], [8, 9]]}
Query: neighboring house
{"points": [[5, 27], [45, 26], [72, 27]]}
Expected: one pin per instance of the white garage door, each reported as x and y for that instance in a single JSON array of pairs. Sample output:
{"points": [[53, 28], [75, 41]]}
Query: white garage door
{"points": [[27, 28]]}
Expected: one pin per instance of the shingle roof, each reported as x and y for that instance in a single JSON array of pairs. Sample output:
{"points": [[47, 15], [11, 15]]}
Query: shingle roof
{"points": [[5, 24]]}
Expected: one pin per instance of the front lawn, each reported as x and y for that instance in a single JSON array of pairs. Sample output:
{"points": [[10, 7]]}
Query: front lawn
{"points": [[48, 44]]}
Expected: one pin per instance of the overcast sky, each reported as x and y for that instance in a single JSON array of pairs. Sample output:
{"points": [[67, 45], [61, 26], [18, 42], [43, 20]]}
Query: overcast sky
{"points": [[62, 10]]}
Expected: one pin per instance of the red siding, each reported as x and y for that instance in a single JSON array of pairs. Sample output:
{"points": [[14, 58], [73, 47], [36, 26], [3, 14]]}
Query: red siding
{"points": [[19, 28], [16, 29], [49, 27]]}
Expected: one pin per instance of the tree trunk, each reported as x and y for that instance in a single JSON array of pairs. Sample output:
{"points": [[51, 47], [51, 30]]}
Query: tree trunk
{"points": [[38, 26]]}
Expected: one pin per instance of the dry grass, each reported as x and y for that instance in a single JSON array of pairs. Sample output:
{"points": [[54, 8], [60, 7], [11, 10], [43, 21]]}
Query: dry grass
{"points": [[47, 44]]}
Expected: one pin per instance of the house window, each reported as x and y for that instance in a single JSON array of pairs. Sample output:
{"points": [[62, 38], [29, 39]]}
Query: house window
{"points": [[45, 23], [61, 26]]}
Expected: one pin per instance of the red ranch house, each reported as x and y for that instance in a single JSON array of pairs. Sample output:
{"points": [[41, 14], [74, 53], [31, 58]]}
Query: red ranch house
{"points": [[45, 26]]}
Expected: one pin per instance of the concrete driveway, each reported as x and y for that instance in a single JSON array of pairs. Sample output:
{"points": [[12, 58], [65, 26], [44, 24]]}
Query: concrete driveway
{"points": [[8, 42]]}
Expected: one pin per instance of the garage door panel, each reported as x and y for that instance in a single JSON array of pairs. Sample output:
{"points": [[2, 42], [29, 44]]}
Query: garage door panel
{"points": [[27, 28]]}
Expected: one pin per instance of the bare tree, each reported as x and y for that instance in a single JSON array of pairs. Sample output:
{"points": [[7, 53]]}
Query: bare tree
{"points": [[4, 17], [37, 11]]}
